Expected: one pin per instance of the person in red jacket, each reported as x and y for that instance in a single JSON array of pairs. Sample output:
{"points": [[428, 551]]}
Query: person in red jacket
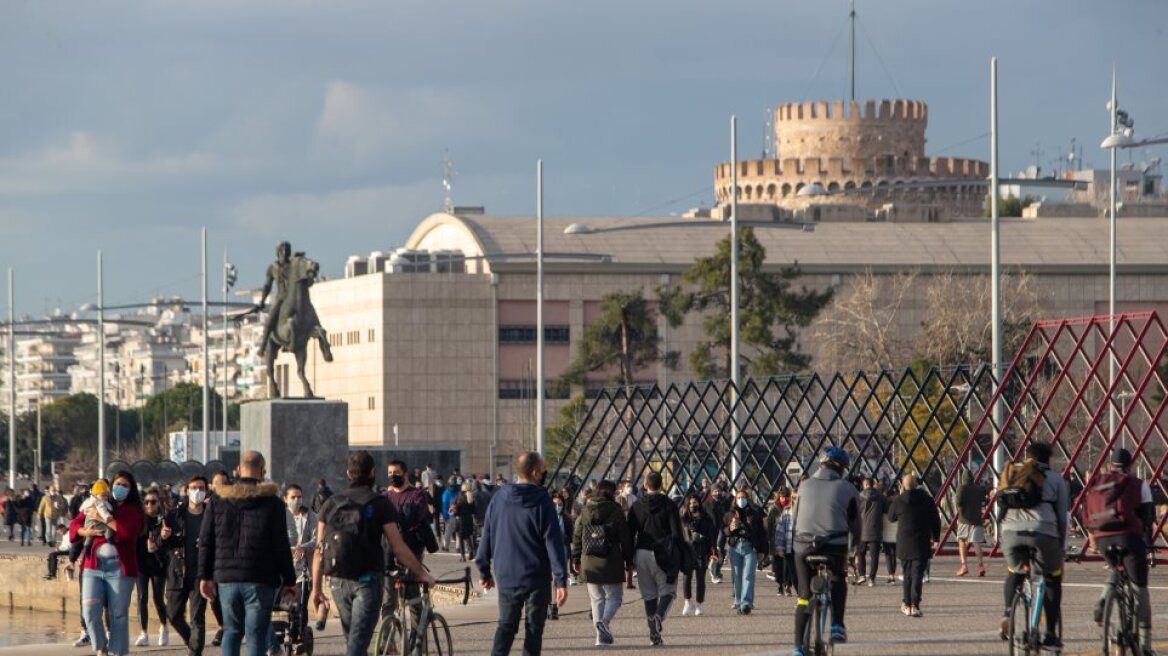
{"points": [[110, 568]]}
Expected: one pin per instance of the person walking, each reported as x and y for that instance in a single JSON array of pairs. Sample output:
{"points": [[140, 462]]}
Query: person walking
{"points": [[716, 507], [746, 542], [244, 555], [872, 510], [918, 527], [564, 517], [449, 497], [50, 511], [152, 570], [180, 535], [888, 534], [781, 534], [323, 492], [356, 566], [602, 551], [971, 503], [109, 567], [697, 529], [465, 512], [10, 513], [1036, 503], [25, 509], [655, 526], [521, 553]]}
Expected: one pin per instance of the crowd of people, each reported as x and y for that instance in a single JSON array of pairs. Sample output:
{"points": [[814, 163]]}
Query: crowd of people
{"points": [[239, 544]]}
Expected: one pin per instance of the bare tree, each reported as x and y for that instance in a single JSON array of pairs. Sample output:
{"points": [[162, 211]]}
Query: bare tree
{"points": [[861, 329], [958, 325]]}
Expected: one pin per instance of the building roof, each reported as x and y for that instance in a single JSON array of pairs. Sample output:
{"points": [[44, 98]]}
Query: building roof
{"points": [[668, 244]]}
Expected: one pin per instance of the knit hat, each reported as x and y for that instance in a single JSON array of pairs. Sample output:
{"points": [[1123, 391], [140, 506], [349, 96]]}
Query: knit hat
{"points": [[99, 488], [1121, 457]]}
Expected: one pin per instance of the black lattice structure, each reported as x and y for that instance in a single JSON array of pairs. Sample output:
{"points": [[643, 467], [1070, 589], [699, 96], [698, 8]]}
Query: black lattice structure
{"points": [[892, 422]]}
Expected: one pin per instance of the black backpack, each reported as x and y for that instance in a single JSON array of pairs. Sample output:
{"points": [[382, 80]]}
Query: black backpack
{"points": [[352, 544], [598, 539]]}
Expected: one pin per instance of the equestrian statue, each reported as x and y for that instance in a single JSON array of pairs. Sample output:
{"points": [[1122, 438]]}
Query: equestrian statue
{"points": [[292, 320]]}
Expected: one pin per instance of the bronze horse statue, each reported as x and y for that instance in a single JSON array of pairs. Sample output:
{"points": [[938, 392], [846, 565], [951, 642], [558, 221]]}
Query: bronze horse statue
{"points": [[294, 322]]}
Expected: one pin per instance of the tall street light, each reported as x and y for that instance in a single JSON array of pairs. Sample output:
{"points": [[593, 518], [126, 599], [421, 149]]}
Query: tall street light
{"points": [[11, 380], [998, 410], [1118, 135], [734, 437], [539, 307], [206, 359], [100, 368]]}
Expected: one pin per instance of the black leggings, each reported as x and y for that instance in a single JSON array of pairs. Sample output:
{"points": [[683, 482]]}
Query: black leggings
{"points": [[783, 567], [696, 577], [870, 559], [148, 585], [839, 587], [889, 549]]}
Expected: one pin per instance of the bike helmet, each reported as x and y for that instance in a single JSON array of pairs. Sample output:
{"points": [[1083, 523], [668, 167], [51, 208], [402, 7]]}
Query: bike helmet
{"points": [[837, 456]]}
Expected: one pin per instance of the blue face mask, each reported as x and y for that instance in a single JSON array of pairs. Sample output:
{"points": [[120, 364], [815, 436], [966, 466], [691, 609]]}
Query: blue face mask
{"points": [[120, 492], [742, 503]]}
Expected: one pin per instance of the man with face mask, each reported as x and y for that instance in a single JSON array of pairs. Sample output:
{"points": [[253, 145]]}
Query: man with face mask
{"points": [[180, 537], [413, 510]]}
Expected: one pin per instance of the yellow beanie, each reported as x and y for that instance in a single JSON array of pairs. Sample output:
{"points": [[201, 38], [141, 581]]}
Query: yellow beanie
{"points": [[99, 487]]}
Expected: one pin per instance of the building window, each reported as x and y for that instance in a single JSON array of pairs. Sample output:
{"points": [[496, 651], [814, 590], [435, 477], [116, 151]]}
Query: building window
{"points": [[372, 405], [526, 334], [525, 389], [370, 340]]}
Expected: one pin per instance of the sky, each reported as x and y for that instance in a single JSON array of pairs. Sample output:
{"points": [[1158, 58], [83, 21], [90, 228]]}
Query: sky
{"points": [[129, 125]]}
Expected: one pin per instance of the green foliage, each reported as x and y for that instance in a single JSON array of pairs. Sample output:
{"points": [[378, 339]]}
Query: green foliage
{"points": [[558, 436], [770, 311], [1011, 205], [622, 340]]}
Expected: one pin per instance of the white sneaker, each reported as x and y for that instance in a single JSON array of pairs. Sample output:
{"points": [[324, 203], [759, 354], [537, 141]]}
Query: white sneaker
{"points": [[770, 576], [697, 609], [163, 637], [715, 580], [82, 641], [143, 640], [685, 610]]}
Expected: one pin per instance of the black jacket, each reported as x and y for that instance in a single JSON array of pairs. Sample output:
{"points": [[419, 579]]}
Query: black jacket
{"points": [[749, 527], [871, 516], [917, 524], [244, 538], [699, 533], [151, 564]]}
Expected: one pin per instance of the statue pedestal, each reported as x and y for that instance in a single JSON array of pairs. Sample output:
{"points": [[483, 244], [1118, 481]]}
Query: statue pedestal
{"points": [[301, 439]]}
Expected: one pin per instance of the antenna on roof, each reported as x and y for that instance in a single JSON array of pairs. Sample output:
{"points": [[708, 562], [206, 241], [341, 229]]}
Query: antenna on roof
{"points": [[852, 66], [447, 182]]}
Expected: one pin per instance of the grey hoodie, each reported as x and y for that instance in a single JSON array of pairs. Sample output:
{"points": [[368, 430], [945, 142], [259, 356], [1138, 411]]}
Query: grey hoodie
{"points": [[826, 508]]}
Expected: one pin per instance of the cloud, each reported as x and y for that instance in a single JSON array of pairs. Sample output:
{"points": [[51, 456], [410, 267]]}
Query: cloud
{"points": [[82, 162], [336, 211]]}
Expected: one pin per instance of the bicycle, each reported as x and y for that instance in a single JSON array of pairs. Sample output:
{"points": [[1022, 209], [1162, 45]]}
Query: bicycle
{"points": [[819, 607], [1121, 633], [1025, 630], [401, 634]]}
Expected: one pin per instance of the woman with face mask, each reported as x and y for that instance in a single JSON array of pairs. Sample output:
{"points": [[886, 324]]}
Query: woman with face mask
{"points": [[152, 570], [746, 541], [560, 503], [110, 570], [700, 537]]}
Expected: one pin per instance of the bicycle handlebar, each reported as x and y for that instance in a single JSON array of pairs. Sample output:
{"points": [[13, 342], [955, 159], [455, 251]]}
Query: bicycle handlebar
{"points": [[465, 580]]}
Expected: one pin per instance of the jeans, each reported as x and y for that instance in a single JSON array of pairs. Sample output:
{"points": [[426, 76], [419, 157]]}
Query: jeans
{"points": [[511, 606], [247, 610], [359, 605], [448, 532], [105, 589], [194, 633], [606, 599], [914, 577], [743, 563]]}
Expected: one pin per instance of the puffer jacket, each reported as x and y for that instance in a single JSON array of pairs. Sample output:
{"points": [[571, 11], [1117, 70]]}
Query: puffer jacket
{"points": [[610, 568], [872, 509], [244, 538]]}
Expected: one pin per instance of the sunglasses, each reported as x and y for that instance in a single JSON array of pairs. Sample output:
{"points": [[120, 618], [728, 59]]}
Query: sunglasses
{"points": [[151, 502]]}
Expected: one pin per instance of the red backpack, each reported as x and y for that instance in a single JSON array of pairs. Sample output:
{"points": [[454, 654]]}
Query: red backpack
{"points": [[1112, 505]]}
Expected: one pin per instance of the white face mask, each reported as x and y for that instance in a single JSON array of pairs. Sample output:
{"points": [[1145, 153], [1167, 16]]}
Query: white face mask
{"points": [[198, 496], [294, 504]]}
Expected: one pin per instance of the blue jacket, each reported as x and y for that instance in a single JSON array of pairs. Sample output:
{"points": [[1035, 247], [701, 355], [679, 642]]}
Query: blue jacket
{"points": [[448, 499], [522, 544]]}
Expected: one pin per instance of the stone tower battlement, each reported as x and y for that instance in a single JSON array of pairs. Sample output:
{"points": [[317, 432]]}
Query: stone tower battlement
{"points": [[851, 129], [867, 154]]}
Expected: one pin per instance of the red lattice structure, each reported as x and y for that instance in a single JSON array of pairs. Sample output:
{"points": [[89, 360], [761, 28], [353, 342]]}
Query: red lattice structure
{"points": [[1059, 389]]}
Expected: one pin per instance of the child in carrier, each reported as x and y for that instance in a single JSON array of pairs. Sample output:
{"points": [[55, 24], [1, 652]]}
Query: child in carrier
{"points": [[99, 499]]}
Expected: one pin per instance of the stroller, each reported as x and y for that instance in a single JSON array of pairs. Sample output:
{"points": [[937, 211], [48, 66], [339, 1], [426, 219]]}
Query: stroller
{"points": [[293, 633]]}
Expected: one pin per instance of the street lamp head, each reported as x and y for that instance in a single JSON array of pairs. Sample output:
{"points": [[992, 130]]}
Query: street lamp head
{"points": [[89, 307], [1117, 140]]}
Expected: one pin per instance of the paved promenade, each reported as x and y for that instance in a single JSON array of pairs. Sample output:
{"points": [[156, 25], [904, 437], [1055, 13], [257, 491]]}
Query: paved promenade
{"points": [[960, 617]]}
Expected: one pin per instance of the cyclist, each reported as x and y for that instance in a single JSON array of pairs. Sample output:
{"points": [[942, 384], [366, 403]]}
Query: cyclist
{"points": [[1033, 502], [826, 514], [1131, 531]]}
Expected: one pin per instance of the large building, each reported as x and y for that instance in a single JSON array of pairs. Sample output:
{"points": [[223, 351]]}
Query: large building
{"points": [[443, 356]]}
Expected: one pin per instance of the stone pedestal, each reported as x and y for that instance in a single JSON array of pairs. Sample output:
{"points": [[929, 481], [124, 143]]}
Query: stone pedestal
{"points": [[301, 439]]}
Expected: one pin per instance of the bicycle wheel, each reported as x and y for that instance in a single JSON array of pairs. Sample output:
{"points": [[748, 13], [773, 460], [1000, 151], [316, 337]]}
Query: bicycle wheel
{"points": [[1017, 635], [387, 638], [821, 621], [1118, 637], [438, 641]]}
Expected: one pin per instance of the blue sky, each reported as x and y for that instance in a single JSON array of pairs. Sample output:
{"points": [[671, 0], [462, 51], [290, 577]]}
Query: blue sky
{"points": [[129, 125]]}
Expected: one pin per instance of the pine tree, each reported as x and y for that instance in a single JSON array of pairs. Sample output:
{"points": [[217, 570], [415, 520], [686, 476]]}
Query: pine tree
{"points": [[771, 313]]}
